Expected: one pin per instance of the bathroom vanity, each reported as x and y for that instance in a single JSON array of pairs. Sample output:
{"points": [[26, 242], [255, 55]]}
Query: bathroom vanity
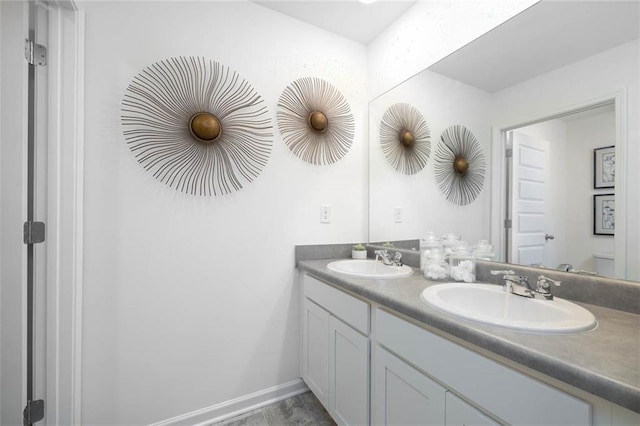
{"points": [[375, 353]]}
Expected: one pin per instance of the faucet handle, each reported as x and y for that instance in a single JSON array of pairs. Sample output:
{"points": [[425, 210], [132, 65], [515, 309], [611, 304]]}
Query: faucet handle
{"points": [[542, 284]]}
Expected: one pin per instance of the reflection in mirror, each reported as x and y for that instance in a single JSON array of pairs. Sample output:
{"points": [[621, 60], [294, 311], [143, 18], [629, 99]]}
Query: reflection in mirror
{"points": [[549, 70], [548, 226]]}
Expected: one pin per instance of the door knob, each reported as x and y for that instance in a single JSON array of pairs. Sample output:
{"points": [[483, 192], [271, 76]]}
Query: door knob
{"points": [[548, 237]]}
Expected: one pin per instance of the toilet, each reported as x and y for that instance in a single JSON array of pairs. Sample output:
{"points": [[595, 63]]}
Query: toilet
{"points": [[605, 265]]}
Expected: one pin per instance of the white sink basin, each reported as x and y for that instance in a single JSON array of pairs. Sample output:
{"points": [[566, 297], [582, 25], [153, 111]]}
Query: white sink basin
{"points": [[368, 268], [490, 304]]}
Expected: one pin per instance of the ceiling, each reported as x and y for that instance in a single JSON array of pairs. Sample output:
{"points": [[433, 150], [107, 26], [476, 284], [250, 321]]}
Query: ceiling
{"points": [[349, 18], [546, 36]]}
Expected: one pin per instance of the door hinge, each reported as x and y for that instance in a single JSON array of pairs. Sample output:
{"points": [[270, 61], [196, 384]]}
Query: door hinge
{"points": [[33, 412], [508, 153], [507, 223], [35, 54], [33, 232]]}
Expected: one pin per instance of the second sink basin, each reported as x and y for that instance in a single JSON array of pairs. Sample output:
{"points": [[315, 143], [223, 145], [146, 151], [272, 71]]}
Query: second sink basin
{"points": [[369, 268], [490, 304]]}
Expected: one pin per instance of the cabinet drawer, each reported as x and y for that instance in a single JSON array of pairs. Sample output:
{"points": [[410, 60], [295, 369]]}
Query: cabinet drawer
{"points": [[508, 394], [352, 311]]}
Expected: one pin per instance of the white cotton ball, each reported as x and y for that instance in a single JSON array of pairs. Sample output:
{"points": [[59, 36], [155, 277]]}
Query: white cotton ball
{"points": [[456, 273], [466, 265], [467, 277], [435, 272]]}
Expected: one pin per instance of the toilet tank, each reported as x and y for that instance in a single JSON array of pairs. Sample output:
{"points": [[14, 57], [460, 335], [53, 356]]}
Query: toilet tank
{"points": [[604, 264]]}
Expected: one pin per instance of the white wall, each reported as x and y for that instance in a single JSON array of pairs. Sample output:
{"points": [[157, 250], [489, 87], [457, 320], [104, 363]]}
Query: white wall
{"points": [[428, 32], [583, 136], [443, 102], [191, 301], [592, 79]]}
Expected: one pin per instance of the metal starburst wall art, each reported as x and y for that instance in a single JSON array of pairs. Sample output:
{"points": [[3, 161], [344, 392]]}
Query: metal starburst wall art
{"points": [[459, 165], [196, 126], [405, 138], [315, 121]]}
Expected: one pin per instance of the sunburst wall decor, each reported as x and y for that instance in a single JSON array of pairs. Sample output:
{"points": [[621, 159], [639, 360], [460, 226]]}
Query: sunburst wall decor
{"points": [[196, 126], [405, 138], [459, 165], [315, 121]]}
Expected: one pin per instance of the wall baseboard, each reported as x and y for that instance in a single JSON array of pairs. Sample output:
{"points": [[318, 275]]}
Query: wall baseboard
{"points": [[237, 406]]}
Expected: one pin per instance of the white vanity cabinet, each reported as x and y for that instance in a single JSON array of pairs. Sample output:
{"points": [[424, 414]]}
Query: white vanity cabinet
{"points": [[404, 395], [505, 393], [368, 364], [335, 351], [459, 413]]}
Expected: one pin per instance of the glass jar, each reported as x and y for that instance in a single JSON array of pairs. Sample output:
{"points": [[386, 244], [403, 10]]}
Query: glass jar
{"points": [[436, 267], [449, 241], [427, 243], [484, 251], [462, 265]]}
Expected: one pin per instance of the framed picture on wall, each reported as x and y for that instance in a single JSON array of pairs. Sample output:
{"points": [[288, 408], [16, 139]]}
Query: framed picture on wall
{"points": [[604, 167], [604, 214]]}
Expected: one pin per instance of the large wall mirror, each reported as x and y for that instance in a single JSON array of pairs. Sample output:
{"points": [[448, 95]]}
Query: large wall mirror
{"points": [[542, 97]]}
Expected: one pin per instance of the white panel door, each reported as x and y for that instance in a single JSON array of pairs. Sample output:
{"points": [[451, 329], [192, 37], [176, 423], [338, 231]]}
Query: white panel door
{"points": [[315, 350], [529, 191], [403, 395], [348, 374]]}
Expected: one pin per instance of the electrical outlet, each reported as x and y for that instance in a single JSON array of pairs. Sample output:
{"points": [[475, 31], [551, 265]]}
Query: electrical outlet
{"points": [[398, 215], [325, 213]]}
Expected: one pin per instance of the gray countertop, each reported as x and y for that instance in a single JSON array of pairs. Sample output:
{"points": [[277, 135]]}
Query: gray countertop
{"points": [[604, 361]]}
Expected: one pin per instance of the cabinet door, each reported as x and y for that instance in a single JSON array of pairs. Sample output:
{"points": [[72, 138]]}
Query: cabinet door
{"points": [[459, 413], [348, 374], [403, 395], [315, 350]]}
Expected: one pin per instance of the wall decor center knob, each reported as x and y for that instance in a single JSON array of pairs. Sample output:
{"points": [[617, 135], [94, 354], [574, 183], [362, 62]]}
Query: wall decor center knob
{"points": [[205, 127], [407, 139], [461, 165], [318, 121]]}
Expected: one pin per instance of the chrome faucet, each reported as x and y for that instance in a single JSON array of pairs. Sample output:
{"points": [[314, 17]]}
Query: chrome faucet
{"points": [[567, 267], [543, 286], [520, 286], [386, 258]]}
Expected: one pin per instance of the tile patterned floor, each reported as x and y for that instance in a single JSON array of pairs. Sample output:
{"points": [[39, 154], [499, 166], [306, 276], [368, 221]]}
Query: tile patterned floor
{"points": [[303, 409]]}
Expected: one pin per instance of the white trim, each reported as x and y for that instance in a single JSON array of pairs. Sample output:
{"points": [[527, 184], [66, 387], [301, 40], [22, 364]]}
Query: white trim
{"points": [[78, 186], [78, 254], [498, 208], [622, 159], [65, 213], [237, 406]]}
